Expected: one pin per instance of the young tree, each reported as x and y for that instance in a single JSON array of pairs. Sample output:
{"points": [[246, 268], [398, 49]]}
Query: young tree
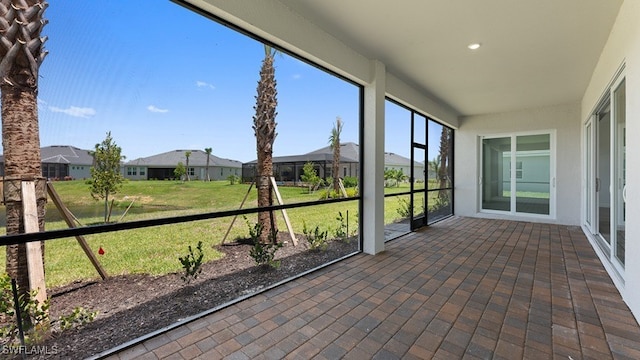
{"points": [[179, 171], [399, 177], [208, 152], [334, 141], [187, 154], [21, 53], [264, 126], [310, 176], [106, 178]]}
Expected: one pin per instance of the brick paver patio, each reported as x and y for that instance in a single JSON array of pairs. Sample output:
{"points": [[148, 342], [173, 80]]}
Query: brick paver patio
{"points": [[463, 288]]}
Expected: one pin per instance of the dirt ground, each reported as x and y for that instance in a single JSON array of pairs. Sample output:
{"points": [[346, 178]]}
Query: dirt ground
{"points": [[130, 306]]}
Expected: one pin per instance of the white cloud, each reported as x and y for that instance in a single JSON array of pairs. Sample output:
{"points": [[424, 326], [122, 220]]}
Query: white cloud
{"points": [[156, 110], [204, 84], [296, 76], [75, 111]]}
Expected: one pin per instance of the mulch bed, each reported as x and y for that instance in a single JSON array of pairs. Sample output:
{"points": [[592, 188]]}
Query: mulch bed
{"points": [[130, 306]]}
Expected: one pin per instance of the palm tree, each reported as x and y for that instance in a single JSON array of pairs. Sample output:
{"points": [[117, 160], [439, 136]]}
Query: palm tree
{"points": [[208, 152], [264, 126], [334, 141], [21, 53], [443, 169], [187, 154]]}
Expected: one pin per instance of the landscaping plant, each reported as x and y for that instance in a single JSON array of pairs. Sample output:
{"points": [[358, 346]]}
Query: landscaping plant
{"points": [[316, 238], [77, 319], [192, 264], [342, 229], [34, 315], [264, 253], [403, 207], [233, 179]]}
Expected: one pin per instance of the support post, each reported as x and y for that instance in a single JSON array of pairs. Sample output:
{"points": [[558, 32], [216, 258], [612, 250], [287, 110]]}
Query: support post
{"points": [[284, 211], [34, 250], [236, 216], [68, 218], [372, 155]]}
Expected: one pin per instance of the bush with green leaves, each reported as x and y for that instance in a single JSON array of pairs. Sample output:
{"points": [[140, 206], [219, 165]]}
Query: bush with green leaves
{"points": [[310, 176], [316, 238], [78, 318], [331, 194], [233, 179], [263, 253], [350, 181], [341, 231], [404, 207], [35, 316], [192, 263]]}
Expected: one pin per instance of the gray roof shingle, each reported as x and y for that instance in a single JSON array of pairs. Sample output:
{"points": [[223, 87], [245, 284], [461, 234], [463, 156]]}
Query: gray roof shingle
{"points": [[171, 159], [349, 152], [65, 154]]}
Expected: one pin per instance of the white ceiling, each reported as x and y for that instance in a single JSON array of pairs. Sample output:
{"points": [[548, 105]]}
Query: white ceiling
{"points": [[533, 54]]}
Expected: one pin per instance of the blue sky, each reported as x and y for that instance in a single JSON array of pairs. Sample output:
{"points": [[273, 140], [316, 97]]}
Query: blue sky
{"points": [[161, 78]]}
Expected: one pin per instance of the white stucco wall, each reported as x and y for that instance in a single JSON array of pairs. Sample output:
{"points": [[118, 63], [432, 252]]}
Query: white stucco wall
{"points": [[563, 119], [623, 47]]}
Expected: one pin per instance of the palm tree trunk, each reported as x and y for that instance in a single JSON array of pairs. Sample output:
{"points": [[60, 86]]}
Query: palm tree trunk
{"points": [[21, 143], [264, 126]]}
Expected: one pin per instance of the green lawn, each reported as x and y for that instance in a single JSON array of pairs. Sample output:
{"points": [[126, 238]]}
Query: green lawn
{"points": [[156, 250]]}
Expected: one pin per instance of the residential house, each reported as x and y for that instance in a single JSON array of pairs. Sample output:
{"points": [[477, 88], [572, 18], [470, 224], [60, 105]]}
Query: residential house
{"points": [[289, 168], [162, 166], [63, 162]]}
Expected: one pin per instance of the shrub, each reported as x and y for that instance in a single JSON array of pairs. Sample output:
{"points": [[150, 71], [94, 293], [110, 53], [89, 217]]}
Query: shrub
{"points": [[78, 318], [264, 254], [403, 207], [342, 228], [233, 179], [192, 264], [350, 181], [31, 311], [317, 238]]}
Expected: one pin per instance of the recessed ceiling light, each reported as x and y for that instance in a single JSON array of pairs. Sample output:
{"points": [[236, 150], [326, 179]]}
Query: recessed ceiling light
{"points": [[474, 46]]}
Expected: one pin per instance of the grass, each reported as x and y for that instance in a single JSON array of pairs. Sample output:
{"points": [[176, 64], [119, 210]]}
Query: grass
{"points": [[156, 250]]}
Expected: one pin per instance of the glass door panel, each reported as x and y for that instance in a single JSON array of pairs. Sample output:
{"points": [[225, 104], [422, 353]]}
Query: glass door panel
{"points": [[439, 172], [603, 176], [496, 177], [418, 218], [589, 179], [532, 174], [619, 114]]}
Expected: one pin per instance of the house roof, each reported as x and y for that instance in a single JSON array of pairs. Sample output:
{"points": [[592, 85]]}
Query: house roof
{"points": [[65, 154], [349, 153], [172, 158]]}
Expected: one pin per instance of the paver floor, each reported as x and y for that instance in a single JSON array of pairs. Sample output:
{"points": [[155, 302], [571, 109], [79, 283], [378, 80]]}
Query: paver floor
{"points": [[463, 288]]}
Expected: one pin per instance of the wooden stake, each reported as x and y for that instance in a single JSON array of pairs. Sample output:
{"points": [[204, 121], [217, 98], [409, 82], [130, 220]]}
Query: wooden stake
{"points": [[284, 211], [34, 251], [342, 189], [236, 216], [68, 218]]}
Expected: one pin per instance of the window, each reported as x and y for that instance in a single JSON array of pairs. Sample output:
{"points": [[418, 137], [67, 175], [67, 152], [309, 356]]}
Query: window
{"points": [[518, 169], [142, 171], [506, 186], [192, 171]]}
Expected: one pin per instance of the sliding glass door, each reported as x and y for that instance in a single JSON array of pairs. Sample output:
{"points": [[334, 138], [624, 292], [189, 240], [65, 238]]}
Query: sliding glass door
{"points": [[518, 174], [605, 180]]}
